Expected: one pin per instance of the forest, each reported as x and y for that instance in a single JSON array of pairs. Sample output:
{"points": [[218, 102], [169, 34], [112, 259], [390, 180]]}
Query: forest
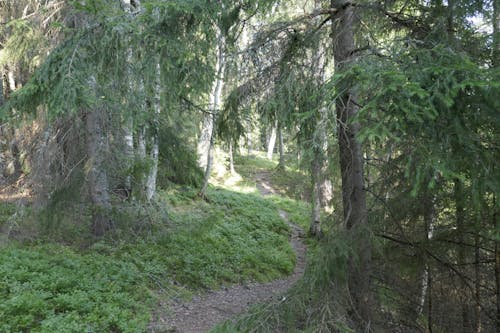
{"points": [[249, 166]]}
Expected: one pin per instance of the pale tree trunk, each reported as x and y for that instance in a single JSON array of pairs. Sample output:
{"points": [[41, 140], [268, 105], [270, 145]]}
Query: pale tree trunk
{"points": [[208, 170], [272, 141], [318, 175], [281, 163], [11, 80], [231, 158], [139, 186], [249, 140], [153, 172], [97, 178], [426, 284], [351, 166], [204, 139], [2, 98], [128, 138], [209, 120], [128, 122]]}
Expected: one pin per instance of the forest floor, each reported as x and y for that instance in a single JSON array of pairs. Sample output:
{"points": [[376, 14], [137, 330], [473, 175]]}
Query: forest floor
{"points": [[203, 312]]}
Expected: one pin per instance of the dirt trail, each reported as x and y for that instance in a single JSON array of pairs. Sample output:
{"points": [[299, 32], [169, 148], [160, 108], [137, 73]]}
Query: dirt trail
{"points": [[204, 312]]}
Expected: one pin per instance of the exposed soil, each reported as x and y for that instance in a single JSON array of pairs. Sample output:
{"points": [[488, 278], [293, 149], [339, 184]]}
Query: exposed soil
{"points": [[205, 311]]}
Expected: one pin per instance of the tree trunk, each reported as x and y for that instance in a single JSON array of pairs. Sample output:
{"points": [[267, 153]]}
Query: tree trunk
{"points": [[2, 98], [215, 103], [351, 167], [128, 122], [97, 177], [272, 141], [496, 225], [315, 228], [205, 139], [477, 284], [153, 171], [128, 141], [461, 253], [496, 33], [426, 291], [11, 80], [281, 164], [139, 186], [249, 138], [231, 159]]}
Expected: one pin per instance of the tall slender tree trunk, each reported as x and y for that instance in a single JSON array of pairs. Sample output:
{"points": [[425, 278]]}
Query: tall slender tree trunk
{"points": [[477, 284], [127, 121], [496, 33], [249, 137], [272, 141], [315, 228], [426, 284], [351, 167], [11, 79], [496, 223], [97, 177], [215, 103], [231, 158], [155, 149], [461, 253], [281, 163], [2, 98], [204, 140]]}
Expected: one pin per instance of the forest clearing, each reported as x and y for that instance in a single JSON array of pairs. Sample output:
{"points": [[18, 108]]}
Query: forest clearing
{"points": [[253, 166]]}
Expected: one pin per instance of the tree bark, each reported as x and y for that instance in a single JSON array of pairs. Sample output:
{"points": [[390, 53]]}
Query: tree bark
{"points": [[153, 171], [204, 140], [315, 228], [209, 120], [272, 141], [128, 122], [426, 291], [477, 284], [496, 33], [351, 166], [461, 253], [231, 159], [2, 98], [281, 163], [249, 138], [97, 177], [496, 225]]}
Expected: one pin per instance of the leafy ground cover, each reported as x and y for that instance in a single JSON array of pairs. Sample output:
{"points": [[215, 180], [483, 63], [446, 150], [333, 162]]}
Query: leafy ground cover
{"points": [[112, 286]]}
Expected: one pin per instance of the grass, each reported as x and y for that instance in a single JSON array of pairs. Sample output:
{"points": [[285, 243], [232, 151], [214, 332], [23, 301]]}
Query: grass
{"points": [[52, 288], [234, 236]]}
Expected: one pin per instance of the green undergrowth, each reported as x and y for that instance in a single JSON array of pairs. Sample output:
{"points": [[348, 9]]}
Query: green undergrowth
{"points": [[58, 280], [6, 211], [317, 303], [289, 182], [53, 288], [290, 185], [231, 237], [108, 287]]}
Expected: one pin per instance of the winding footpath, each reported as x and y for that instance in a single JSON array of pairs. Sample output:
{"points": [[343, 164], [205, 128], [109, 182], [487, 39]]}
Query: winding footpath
{"points": [[203, 312]]}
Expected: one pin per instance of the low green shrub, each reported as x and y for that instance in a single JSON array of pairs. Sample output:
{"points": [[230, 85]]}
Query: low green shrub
{"points": [[52, 288]]}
